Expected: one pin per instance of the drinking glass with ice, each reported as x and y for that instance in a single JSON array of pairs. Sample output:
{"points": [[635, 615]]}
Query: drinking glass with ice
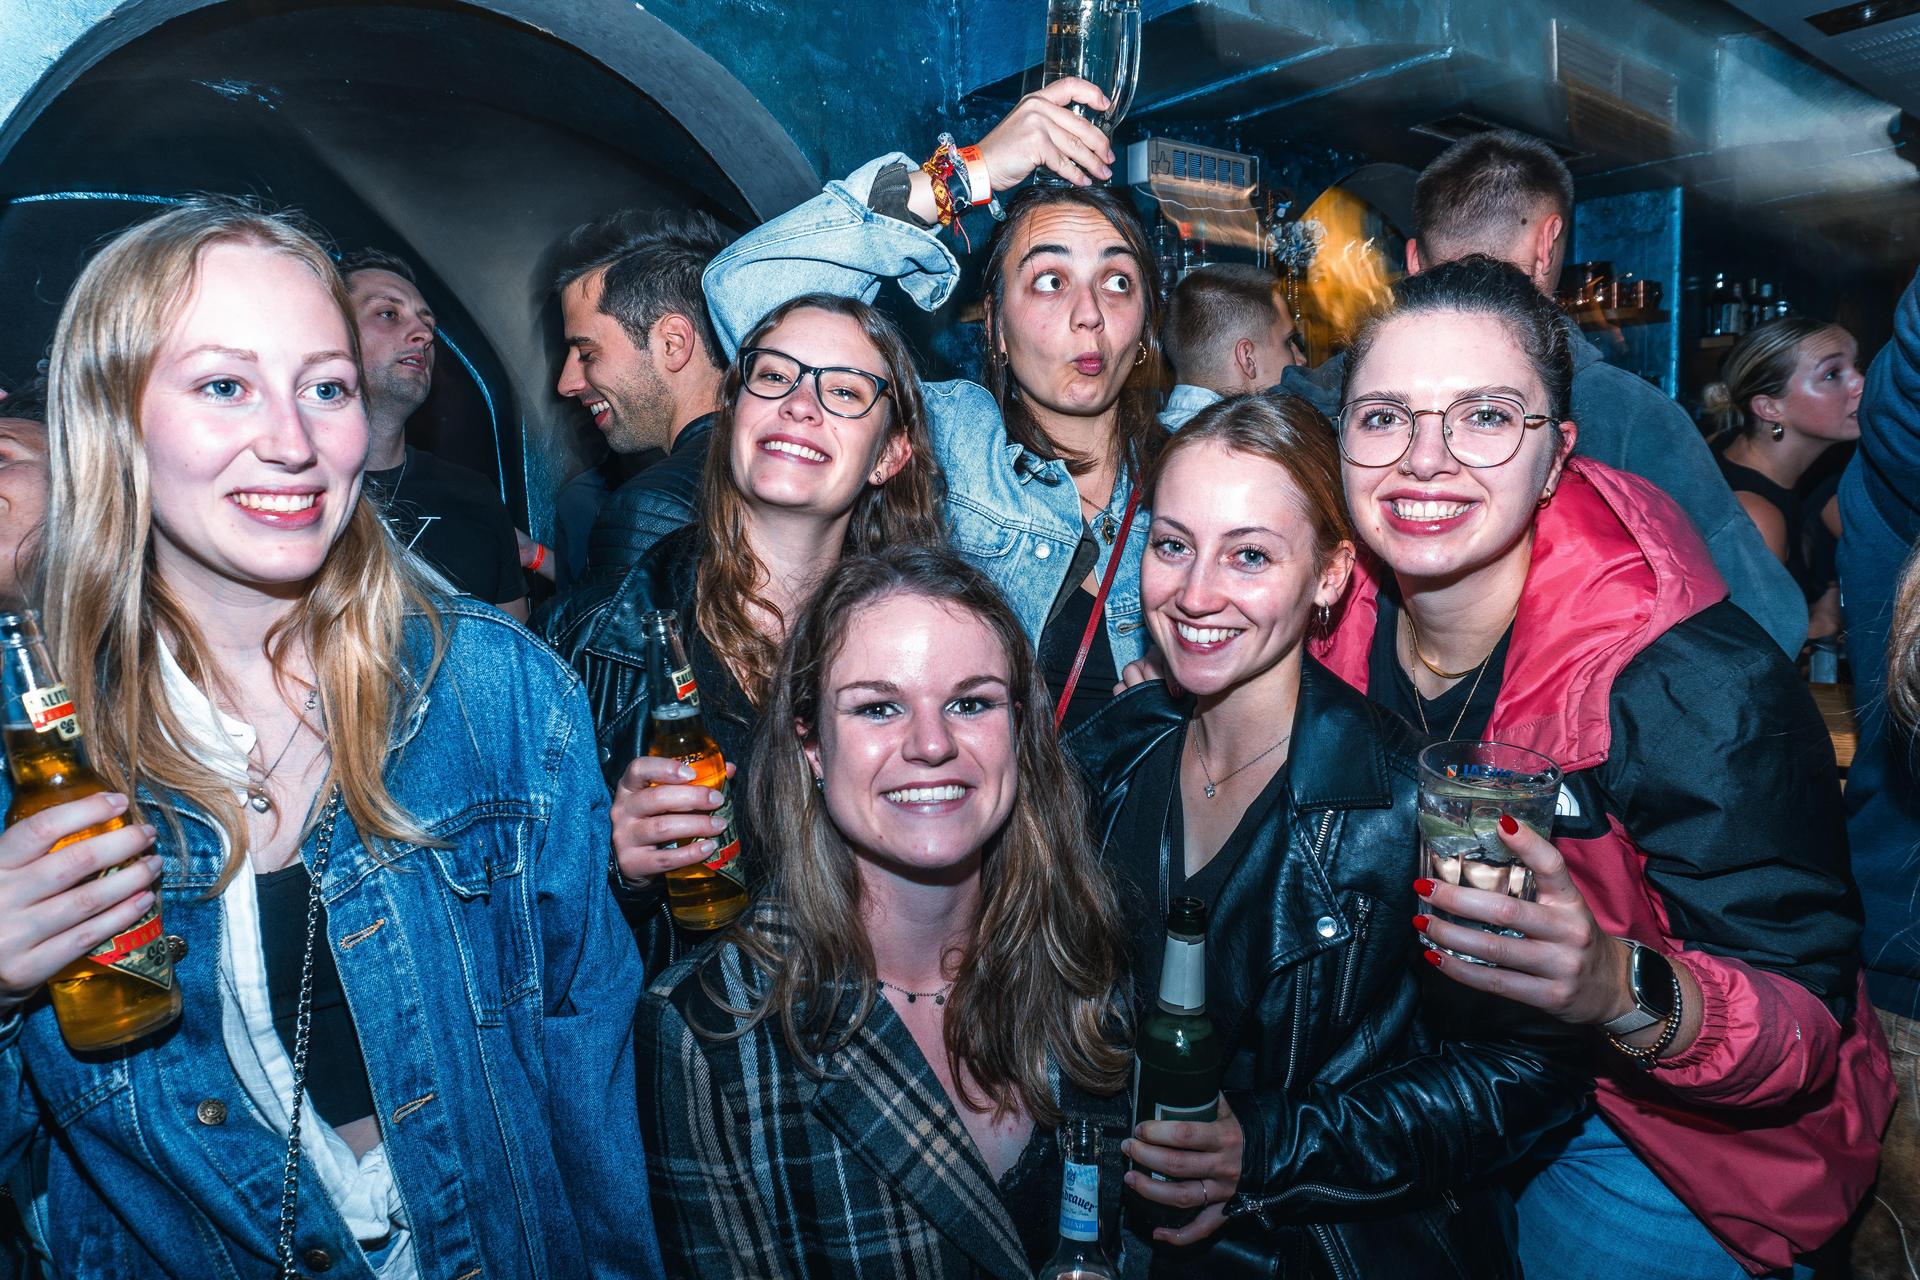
{"points": [[1465, 789]]}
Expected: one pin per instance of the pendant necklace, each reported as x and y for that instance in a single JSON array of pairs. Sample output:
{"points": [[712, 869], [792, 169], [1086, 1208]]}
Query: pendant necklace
{"points": [[1200, 750], [938, 997], [1103, 520], [257, 798]]}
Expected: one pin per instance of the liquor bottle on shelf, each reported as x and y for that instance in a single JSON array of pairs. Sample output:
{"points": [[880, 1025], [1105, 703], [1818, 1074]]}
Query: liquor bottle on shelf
{"points": [[126, 989], [1760, 306], [712, 892], [1178, 1058], [1079, 1255], [1718, 299]]}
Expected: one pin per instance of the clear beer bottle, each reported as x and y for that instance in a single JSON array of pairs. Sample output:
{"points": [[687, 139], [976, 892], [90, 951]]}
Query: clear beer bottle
{"points": [[126, 988], [709, 893]]}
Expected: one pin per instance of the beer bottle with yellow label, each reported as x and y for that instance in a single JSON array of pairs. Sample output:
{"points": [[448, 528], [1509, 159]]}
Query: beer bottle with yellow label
{"points": [[712, 892], [125, 989]]}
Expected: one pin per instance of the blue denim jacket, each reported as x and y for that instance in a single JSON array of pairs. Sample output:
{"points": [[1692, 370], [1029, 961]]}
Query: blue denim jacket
{"points": [[1015, 516], [493, 986]]}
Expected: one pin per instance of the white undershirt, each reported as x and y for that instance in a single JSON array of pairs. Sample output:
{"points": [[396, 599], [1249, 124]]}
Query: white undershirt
{"points": [[362, 1189]]}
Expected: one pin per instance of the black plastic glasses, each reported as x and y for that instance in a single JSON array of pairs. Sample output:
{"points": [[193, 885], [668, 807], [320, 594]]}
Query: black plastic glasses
{"points": [[844, 393], [1479, 431]]}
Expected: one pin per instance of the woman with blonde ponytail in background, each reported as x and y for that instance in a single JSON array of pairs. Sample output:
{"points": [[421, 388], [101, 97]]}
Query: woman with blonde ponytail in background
{"points": [[372, 812], [1790, 390]]}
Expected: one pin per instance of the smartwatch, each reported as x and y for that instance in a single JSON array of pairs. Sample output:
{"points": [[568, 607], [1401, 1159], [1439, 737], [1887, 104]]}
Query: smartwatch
{"points": [[1650, 977]]}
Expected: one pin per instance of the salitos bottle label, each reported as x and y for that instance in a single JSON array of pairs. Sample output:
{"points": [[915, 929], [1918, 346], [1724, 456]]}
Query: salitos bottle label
{"points": [[710, 893], [125, 989]]}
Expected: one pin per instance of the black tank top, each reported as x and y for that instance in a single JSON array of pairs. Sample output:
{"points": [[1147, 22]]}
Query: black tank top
{"points": [[336, 1072], [1746, 480]]}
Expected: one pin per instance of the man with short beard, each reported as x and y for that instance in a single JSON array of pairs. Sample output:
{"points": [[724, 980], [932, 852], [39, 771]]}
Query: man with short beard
{"points": [[450, 516], [644, 361]]}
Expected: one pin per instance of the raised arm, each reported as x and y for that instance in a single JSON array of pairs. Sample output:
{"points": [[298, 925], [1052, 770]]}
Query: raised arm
{"points": [[878, 224]]}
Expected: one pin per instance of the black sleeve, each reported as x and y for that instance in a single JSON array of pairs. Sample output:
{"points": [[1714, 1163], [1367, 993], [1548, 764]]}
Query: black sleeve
{"points": [[1722, 772], [1500, 1076], [638, 515]]}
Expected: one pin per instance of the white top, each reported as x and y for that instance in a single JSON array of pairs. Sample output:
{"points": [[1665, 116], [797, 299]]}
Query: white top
{"points": [[1183, 402], [362, 1189]]}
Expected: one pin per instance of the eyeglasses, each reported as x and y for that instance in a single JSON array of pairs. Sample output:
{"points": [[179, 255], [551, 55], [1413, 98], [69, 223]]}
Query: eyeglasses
{"points": [[1479, 431], [844, 393]]}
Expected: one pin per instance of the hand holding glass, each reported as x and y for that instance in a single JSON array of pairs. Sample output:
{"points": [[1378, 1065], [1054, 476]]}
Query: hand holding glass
{"points": [[1465, 790]]}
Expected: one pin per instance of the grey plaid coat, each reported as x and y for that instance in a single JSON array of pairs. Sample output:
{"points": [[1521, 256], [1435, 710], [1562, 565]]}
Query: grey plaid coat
{"points": [[758, 1169]]}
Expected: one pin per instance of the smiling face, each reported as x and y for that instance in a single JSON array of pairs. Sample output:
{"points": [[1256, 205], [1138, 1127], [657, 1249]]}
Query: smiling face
{"points": [[614, 380], [1822, 398], [1073, 310], [1229, 581], [789, 454], [396, 340], [1430, 518], [253, 426], [916, 742]]}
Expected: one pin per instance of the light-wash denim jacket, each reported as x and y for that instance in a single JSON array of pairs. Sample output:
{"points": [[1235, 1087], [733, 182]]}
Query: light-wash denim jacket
{"points": [[1014, 515], [492, 983]]}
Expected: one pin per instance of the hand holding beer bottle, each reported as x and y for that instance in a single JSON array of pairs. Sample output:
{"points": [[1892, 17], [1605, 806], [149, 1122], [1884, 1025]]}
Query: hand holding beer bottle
{"points": [[77, 907]]}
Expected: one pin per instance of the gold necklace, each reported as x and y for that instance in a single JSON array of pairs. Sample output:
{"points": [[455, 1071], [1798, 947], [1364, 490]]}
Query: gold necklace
{"points": [[1413, 644], [1420, 704]]}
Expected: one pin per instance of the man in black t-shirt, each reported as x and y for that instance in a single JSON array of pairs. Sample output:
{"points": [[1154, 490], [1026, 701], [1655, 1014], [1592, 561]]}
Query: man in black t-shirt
{"points": [[450, 516]]}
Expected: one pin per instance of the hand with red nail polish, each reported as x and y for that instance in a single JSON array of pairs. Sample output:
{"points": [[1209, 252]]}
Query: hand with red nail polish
{"points": [[1421, 923], [1562, 962]]}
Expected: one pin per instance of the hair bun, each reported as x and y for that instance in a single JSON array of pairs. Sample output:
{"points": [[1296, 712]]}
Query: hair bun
{"points": [[1716, 399]]}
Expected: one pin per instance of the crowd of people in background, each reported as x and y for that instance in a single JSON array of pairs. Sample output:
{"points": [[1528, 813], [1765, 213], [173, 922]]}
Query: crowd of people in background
{"points": [[1152, 611]]}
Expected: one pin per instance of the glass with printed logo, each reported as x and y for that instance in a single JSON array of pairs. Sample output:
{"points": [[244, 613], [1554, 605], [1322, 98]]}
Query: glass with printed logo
{"points": [[1178, 1057], [126, 989], [1079, 1255], [1465, 789], [709, 893]]}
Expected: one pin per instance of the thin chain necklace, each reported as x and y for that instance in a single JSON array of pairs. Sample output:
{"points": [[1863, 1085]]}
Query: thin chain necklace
{"points": [[1413, 643], [1108, 529], [1419, 702], [1200, 750], [257, 797], [303, 1027], [913, 997]]}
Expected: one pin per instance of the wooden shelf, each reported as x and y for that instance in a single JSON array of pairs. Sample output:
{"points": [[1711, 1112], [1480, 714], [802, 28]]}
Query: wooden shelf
{"points": [[1616, 317]]}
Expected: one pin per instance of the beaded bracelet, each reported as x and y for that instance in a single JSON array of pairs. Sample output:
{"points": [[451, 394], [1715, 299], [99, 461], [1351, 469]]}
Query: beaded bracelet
{"points": [[1648, 1058]]}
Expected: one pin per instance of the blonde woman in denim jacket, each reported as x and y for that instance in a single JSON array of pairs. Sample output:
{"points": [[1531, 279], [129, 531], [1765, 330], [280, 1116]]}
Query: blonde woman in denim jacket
{"points": [[376, 807]]}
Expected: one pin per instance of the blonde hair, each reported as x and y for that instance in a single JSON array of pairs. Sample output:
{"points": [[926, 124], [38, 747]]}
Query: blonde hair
{"points": [[107, 610], [1760, 364], [1903, 648]]}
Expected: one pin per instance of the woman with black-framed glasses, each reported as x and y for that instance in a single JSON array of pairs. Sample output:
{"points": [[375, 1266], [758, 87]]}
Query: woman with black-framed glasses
{"points": [[820, 449], [1694, 909]]}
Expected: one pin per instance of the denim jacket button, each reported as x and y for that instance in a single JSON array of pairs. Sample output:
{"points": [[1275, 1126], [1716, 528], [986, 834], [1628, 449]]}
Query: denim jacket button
{"points": [[211, 1111], [1042, 551], [176, 948], [317, 1259], [1325, 926]]}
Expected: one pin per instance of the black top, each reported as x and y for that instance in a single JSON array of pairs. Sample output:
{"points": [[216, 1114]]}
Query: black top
{"points": [[1060, 642], [1810, 545], [1469, 703], [1158, 786], [336, 1073], [651, 505], [455, 520]]}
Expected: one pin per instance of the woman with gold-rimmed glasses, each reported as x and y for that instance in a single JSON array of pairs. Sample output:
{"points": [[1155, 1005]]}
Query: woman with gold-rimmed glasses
{"points": [[1694, 907]]}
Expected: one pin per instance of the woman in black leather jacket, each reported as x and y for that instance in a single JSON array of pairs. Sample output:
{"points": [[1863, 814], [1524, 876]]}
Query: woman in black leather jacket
{"points": [[1364, 1098], [820, 448]]}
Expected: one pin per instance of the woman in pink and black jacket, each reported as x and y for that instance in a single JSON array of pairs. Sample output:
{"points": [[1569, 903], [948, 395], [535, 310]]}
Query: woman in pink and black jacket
{"points": [[1695, 908]]}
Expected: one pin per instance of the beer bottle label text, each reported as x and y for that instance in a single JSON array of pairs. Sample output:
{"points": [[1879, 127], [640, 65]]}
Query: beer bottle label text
{"points": [[140, 951], [51, 711], [684, 687]]}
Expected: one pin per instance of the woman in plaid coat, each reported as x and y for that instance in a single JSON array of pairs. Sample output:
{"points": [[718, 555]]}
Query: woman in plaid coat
{"points": [[863, 1076]]}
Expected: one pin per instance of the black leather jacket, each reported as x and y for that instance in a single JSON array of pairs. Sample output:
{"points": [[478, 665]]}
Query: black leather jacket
{"points": [[1375, 1095], [597, 629], [664, 497]]}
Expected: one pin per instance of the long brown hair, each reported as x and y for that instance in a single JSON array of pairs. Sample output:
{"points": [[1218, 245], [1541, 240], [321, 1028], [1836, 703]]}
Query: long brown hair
{"points": [[108, 611], [1903, 648], [906, 509], [1138, 435], [1040, 981]]}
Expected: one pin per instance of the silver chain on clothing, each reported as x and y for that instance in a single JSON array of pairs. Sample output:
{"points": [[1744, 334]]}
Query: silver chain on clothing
{"points": [[303, 1026]]}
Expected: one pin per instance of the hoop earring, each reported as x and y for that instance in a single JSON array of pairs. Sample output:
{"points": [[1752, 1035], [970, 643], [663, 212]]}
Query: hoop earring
{"points": [[1545, 498], [1323, 618], [1142, 357], [1779, 432]]}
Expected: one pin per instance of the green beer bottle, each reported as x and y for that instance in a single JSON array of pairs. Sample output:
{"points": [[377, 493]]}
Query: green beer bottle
{"points": [[1177, 1063]]}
